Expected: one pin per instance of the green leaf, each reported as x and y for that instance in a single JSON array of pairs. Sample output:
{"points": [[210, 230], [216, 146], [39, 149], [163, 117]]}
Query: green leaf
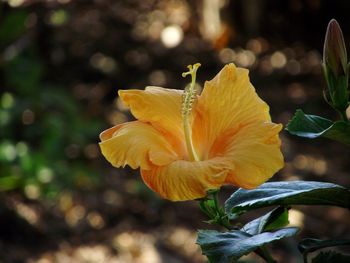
{"points": [[12, 25], [277, 218], [287, 193], [312, 126], [308, 245], [24, 73], [230, 246], [331, 256], [9, 182]]}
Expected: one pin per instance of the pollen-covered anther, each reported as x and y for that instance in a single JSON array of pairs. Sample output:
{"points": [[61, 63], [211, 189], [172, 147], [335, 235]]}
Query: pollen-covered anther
{"points": [[190, 92]]}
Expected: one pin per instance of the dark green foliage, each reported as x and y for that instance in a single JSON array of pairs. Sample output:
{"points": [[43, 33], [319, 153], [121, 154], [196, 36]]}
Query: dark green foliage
{"points": [[230, 246], [275, 219], [308, 245], [331, 257], [287, 193], [12, 26], [311, 126], [43, 128]]}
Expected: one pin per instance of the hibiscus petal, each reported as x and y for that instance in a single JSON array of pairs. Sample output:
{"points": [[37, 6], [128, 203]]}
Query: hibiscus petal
{"points": [[184, 180], [159, 106], [136, 144], [229, 100], [255, 152]]}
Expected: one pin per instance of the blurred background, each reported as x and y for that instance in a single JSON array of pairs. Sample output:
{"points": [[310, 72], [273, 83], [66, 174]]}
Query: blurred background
{"points": [[61, 64]]}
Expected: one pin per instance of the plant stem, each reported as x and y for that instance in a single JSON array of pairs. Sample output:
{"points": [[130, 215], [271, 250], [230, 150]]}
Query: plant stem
{"points": [[305, 257], [212, 208], [217, 215], [266, 255], [222, 220], [343, 116]]}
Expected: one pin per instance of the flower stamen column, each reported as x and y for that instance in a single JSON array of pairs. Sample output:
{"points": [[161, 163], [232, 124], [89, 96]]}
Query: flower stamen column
{"points": [[188, 99]]}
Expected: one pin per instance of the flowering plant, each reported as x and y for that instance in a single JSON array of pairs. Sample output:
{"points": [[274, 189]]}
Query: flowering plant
{"points": [[188, 145]]}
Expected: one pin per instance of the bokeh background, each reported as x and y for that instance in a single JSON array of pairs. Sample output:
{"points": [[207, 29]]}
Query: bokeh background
{"points": [[61, 64]]}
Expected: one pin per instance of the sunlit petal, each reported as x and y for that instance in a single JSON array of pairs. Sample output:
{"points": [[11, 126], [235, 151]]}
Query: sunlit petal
{"points": [[229, 100], [160, 107], [254, 151], [136, 144], [185, 180]]}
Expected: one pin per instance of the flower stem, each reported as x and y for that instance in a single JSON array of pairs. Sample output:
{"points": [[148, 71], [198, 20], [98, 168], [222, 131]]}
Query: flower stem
{"points": [[265, 254], [343, 116], [211, 207]]}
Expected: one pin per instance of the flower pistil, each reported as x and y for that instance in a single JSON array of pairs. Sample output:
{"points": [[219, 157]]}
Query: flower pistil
{"points": [[189, 96]]}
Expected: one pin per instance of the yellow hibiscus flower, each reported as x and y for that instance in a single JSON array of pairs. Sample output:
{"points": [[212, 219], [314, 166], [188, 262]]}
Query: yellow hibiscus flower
{"points": [[187, 144]]}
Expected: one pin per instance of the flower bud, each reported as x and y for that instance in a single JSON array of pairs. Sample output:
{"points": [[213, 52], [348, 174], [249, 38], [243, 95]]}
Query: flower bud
{"points": [[335, 65], [334, 51]]}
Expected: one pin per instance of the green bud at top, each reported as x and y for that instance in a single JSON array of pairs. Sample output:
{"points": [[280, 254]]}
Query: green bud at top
{"points": [[334, 50], [336, 69]]}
